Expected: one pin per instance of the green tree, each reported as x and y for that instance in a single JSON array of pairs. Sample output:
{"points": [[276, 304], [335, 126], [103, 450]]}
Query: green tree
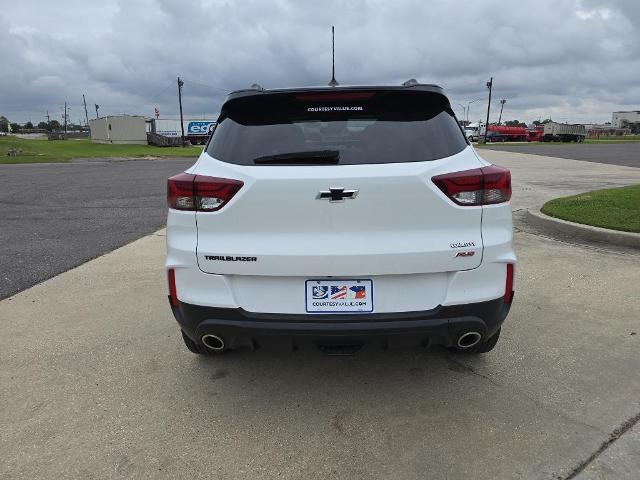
{"points": [[15, 127], [28, 125], [4, 124], [43, 126], [547, 120], [55, 125]]}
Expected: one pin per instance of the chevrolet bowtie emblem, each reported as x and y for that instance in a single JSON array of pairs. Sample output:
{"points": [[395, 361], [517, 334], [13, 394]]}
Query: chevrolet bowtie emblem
{"points": [[336, 194]]}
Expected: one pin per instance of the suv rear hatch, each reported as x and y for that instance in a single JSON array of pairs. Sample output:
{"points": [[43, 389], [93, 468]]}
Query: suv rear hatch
{"points": [[338, 183]]}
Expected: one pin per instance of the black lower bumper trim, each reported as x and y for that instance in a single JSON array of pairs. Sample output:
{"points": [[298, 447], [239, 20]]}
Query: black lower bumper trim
{"points": [[440, 326]]}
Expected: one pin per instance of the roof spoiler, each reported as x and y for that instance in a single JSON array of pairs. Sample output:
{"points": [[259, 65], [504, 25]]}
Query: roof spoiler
{"points": [[257, 89]]}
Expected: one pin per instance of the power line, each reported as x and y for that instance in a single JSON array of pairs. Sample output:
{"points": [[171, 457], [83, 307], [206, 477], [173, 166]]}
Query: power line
{"points": [[222, 90], [162, 91]]}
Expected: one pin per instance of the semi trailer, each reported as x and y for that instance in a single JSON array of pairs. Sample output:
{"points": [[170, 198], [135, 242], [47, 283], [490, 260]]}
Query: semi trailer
{"points": [[563, 132], [197, 131]]}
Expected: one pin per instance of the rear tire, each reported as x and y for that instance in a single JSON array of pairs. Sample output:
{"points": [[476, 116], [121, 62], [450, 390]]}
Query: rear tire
{"points": [[482, 347], [197, 348]]}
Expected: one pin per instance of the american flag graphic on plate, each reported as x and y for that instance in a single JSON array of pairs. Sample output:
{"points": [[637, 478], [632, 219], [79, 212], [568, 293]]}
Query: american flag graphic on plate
{"points": [[338, 292], [339, 296]]}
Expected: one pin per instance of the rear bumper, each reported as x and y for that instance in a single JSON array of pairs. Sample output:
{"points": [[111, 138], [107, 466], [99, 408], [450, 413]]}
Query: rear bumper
{"points": [[440, 326]]}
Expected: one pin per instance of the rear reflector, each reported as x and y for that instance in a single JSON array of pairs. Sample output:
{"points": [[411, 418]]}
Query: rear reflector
{"points": [[508, 289], [479, 186], [186, 191], [173, 294]]}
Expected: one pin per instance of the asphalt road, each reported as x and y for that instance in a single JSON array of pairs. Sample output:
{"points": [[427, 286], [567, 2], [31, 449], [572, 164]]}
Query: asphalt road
{"points": [[96, 383], [57, 216], [624, 154]]}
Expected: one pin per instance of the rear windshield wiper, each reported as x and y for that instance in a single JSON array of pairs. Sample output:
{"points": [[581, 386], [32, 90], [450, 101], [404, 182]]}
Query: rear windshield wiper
{"points": [[318, 157]]}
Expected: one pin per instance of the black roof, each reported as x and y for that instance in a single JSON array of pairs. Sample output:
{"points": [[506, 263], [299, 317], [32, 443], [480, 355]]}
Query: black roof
{"points": [[422, 87]]}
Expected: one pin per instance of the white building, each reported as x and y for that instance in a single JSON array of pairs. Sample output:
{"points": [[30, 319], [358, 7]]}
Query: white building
{"points": [[622, 119], [119, 129]]}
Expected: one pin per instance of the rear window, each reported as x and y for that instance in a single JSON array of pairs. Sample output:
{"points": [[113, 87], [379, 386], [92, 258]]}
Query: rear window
{"points": [[346, 127]]}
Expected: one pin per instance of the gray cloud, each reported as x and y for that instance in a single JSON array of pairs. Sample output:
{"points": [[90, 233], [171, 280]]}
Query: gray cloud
{"points": [[575, 60]]}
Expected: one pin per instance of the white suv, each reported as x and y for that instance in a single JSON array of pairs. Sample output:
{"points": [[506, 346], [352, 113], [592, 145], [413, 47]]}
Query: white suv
{"points": [[339, 217]]}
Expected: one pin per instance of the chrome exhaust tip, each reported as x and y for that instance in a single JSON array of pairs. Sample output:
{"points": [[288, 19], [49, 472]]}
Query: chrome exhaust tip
{"points": [[212, 342], [469, 339]]}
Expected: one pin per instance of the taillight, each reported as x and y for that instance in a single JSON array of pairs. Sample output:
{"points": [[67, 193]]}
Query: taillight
{"points": [[508, 289], [173, 294], [186, 191], [497, 184], [331, 95], [479, 186], [180, 191]]}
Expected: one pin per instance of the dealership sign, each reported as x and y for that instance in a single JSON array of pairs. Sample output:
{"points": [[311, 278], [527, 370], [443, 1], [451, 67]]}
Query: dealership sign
{"points": [[200, 128]]}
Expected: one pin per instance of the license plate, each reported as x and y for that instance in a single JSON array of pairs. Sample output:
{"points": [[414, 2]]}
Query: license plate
{"points": [[339, 296]]}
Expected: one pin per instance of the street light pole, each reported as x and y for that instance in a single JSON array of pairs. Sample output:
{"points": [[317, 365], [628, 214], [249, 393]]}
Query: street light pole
{"points": [[502, 102], [468, 107], [465, 114]]}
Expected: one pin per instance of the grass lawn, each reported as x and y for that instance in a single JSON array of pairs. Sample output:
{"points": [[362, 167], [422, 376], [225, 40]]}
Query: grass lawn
{"points": [[614, 208], [45, 151]]}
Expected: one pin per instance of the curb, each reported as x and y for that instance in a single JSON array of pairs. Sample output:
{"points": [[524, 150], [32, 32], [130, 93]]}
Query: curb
{"points": [[585, 232]]}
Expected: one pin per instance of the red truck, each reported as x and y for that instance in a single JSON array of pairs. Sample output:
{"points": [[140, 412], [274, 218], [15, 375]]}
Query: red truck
{"points": [[535, 134], [500, 133]]}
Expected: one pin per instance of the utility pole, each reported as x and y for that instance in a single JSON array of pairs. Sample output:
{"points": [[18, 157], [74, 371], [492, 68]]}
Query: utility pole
{"points": [[97, 107], [486, 125], [86, 115], [333, 82], [180, 84], [65, 117], [502, 102], [48, 121]]}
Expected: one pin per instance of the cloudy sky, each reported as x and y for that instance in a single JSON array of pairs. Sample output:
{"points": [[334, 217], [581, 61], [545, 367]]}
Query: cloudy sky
{"points": [[571, 60]]}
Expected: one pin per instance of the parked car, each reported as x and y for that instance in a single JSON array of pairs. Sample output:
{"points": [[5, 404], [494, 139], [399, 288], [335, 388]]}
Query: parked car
{"points": [[340, 217]]}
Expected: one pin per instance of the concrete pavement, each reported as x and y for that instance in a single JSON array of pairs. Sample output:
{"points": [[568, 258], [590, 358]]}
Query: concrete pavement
{"points": [[97, 384], [620, 460], [613, 153]]}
